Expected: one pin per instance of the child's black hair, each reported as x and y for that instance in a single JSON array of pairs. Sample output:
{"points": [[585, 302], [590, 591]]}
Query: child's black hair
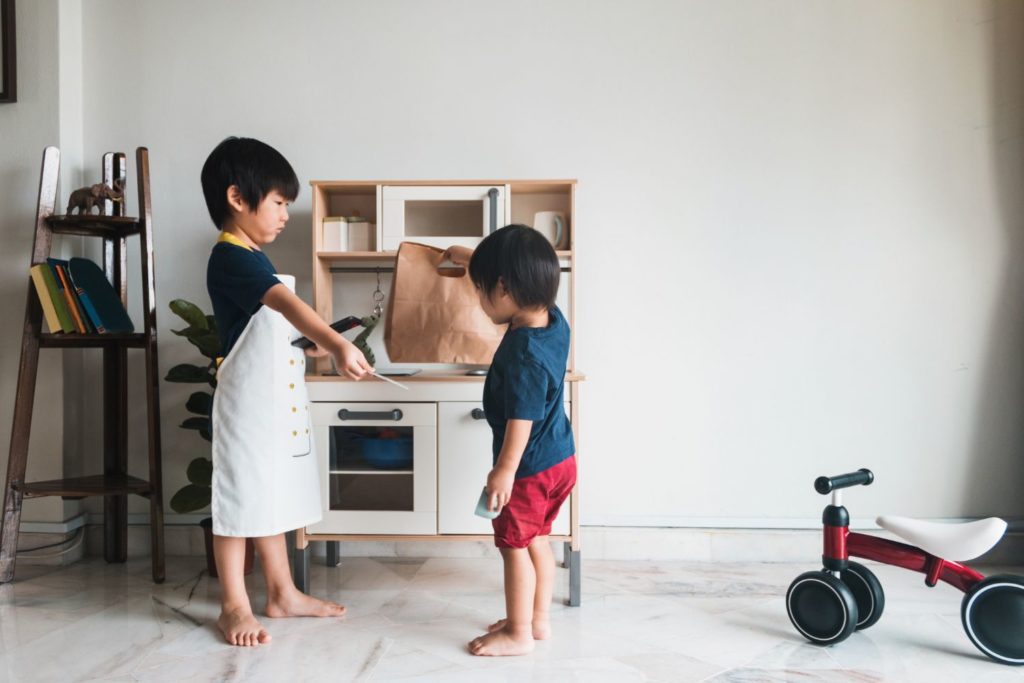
{"points": [[525, 262], [255, 167]]}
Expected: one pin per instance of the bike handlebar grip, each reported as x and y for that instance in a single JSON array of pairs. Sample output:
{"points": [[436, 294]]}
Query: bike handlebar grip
{"points": [[825, 485]]}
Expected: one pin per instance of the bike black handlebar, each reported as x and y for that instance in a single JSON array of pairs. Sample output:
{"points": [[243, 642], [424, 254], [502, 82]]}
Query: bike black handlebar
{"points": [[825, 485]]}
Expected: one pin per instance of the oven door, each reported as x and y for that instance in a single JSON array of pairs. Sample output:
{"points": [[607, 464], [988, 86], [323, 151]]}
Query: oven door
{"points": [[378, 465]]}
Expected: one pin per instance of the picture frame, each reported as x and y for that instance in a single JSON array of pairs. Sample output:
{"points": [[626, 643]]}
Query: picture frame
{"points": [[8, 61]]}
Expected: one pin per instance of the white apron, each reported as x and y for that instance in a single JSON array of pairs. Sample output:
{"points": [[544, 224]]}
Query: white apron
{"points": [[265, 475]]}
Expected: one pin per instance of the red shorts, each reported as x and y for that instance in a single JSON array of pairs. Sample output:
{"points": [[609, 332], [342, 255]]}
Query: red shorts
{"points": [[534, 504]]}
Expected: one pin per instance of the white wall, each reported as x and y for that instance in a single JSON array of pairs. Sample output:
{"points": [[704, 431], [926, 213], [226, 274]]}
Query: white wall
{"points": [[48, 112], [799, 222]]}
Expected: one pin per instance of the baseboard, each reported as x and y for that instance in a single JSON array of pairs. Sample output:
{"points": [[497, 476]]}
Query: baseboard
{"points": [[697, 544], [65, 527]]}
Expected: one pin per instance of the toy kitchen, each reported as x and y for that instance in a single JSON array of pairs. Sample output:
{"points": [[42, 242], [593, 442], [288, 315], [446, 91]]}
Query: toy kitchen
{"points": [[408, 462]]}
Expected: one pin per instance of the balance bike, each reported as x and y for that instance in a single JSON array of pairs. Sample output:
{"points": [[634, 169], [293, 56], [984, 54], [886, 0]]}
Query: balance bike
{"points": [[826, 606]]}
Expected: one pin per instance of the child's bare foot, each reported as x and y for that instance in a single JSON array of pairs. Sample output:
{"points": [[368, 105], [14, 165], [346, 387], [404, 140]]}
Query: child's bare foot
{"points": [[541, 627], [240, 627], [501, 643], [294, 603]]}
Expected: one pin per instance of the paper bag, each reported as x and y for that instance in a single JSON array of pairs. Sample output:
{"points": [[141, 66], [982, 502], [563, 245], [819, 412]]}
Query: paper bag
{"points": [[435, 319]]}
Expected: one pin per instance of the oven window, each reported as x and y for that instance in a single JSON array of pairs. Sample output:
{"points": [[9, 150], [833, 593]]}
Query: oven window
{"points": [[372, 468]]}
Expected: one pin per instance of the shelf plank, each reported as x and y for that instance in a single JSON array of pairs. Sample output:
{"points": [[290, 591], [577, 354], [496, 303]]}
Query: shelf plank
{"points": [[355, 256], [81, 341], [363, 256], [84, 487], [550, 185], [411, 537], [442, 376], [98, 226]]}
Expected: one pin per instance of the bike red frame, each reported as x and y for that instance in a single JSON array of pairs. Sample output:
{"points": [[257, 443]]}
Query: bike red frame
{"points": [[841, 544]]}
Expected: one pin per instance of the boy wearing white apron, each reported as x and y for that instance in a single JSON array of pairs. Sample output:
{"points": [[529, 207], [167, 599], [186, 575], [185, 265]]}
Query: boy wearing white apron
{"points": [[265, 476]]}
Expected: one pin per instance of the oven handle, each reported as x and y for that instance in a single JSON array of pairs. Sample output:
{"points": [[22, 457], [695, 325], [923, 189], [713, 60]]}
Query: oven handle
{"points": [[492, 195], [345, 414], [477, 414]]}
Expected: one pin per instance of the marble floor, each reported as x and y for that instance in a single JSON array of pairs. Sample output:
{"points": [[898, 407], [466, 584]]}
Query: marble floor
{"points": [[409, 619]]}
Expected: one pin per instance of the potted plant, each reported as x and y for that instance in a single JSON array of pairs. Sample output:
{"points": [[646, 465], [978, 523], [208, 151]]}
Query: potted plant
{"points": [[201, 333]]}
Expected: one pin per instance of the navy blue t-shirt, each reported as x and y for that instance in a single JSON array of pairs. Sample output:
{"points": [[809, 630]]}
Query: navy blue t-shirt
{"points": [[236, 278], [526, 381]]}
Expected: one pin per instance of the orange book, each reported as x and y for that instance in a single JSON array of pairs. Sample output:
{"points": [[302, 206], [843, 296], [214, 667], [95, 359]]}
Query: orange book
{"points": [[72, 304]]}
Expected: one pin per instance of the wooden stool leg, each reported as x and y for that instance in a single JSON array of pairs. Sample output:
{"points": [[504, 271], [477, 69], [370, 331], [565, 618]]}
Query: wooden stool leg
{"points": [[156, 498], [115, 451], [156, 528], [20, 430]]}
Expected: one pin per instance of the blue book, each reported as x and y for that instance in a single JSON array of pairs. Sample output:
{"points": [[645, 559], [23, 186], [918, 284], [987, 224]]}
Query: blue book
{"points": [[99, 298]]}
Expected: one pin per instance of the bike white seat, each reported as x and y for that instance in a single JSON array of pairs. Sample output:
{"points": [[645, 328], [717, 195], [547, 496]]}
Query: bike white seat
{"points": [[951, 541]]}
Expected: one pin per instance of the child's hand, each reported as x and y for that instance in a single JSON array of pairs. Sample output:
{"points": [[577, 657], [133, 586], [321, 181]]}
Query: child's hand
{"points": [[350, 361], [316, 352], [499, 488]]}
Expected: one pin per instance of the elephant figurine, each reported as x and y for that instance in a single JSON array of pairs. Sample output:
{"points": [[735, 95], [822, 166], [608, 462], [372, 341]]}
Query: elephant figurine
{"points": [[84, 198]]}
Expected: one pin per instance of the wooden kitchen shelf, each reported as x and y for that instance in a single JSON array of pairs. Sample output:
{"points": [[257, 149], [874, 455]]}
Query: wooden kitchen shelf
{"points": [[374, 256], [85, 487], [98, 226]]}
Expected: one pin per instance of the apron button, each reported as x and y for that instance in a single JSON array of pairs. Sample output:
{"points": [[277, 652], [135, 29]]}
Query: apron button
{"points": [[294, 409], [295, 433], [291, 386], [291, 362]]}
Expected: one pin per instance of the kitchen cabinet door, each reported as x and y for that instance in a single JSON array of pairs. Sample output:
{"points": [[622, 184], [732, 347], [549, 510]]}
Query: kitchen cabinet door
{"points": [[464, 459]]}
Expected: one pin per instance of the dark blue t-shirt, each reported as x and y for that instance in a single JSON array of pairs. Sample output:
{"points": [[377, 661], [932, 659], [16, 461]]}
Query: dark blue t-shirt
{"points": [[236, 278], [526, 381]]}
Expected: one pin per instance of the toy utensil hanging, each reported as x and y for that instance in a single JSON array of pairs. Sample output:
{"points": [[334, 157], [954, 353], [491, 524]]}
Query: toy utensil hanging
{"points": [[378, 299], [370, 323]]}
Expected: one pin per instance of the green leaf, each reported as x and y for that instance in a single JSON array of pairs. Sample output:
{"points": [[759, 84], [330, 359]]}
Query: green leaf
{"points": [[188, 373], [196, 423], [208, 344], [200, 471], [191, 498], [190, 313], [199, 403], [205, 433]]}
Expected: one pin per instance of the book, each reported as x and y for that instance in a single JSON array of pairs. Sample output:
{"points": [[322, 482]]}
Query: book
{"points": [[60, 304], [99, 297], [83, 296], [69, 296], [46, 297]]}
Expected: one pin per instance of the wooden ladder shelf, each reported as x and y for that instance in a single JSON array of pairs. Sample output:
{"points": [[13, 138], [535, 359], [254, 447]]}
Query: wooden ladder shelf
{"points": [[114, 484]]}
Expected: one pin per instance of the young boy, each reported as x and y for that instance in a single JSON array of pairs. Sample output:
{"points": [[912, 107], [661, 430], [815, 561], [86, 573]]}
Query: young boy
{"points": [[265, 474], [516, 273]]}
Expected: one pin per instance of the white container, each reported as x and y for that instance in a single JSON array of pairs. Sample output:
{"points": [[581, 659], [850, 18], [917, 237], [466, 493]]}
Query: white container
{"points": [[361, 236], [335, 234]]}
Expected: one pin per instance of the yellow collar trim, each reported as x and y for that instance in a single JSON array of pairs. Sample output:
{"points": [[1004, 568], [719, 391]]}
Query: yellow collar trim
{"points": [[231, 239]]}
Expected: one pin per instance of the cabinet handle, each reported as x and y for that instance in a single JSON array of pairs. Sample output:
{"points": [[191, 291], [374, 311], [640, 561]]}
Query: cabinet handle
{"points": [[345, 414], [477, 414], [492, 195]]}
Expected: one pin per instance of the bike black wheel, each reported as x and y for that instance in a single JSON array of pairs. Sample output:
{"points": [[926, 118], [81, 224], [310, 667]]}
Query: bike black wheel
{"points": [[992, 613], [821, 607], [867, 591]]}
